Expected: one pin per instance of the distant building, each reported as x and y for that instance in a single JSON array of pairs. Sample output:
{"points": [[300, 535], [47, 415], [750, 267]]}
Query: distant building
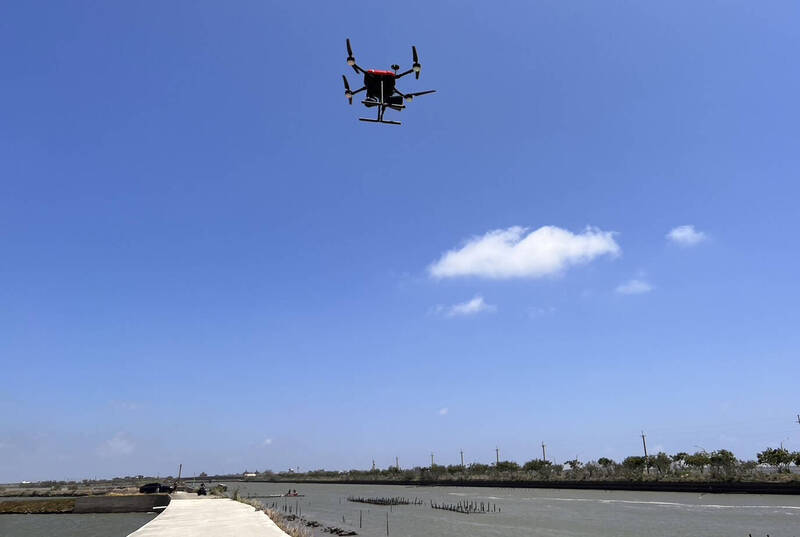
{"points": [[248, 474]]}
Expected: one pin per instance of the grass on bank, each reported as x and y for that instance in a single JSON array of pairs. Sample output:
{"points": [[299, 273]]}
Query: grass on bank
{"points": [[293, 528]]}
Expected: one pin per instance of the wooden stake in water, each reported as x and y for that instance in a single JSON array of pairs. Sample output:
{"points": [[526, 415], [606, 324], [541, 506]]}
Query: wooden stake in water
{"points": [[359, 518], [387, 523]]}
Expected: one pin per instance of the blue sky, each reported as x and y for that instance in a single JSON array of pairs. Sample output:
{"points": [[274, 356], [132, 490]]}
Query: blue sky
{"points": [[205, 257]]}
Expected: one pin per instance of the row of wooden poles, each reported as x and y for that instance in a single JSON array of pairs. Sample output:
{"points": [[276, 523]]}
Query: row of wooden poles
{"points": [[385, 501], [467, 507], [287, 508]]}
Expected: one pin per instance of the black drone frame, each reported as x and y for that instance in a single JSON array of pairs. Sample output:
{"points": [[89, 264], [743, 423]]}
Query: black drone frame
{"points": [[382, 104]]}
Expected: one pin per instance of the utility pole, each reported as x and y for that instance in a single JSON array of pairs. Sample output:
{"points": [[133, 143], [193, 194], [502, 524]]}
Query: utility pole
{"points": [[497, 454], [644, 444], [373, 465], [462, 454], [544, 453], [431, 460], [397, 463]]}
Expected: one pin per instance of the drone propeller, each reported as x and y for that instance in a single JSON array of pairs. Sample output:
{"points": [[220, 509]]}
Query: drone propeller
{"points": [[347, 92], [410, 96], [351, 61], [417, 67]]}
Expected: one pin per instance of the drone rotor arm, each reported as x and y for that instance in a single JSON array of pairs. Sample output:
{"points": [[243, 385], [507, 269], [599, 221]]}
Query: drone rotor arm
{"points": [[410, 96], [404, 73], [416, 67], [351, 60], [348, 92]]}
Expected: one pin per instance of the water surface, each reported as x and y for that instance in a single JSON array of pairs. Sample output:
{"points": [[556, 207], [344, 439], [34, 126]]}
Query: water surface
{"points": [[542, 512], [72, 525]]}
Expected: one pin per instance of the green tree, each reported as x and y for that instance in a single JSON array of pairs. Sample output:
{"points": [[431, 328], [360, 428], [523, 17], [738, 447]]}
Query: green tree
{"points": [[723, 458], [633, 466], [662, 462], [779, 458], [605, 462], [699, 460], [723, 463], [478, 468], [680, 457], [437, 470], [536, 465], [573, 464], [507, 466]]}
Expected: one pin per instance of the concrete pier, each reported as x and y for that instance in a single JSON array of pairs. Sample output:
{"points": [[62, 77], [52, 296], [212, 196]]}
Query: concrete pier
{"points": [[208, 516]]}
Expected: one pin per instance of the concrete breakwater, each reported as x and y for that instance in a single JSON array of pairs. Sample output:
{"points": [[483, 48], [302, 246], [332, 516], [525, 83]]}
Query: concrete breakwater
{"points": [[139, 503], [189, 514]]}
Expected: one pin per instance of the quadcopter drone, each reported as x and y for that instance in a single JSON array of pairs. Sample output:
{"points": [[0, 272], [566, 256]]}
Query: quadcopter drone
{"points": [[380, 86]]}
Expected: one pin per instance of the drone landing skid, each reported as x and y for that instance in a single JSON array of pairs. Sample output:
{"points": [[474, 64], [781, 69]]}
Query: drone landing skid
{"points": [[388, 122]]}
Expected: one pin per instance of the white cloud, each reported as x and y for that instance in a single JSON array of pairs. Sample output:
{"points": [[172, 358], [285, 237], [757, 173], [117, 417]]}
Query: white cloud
{"points": [[116, 446], [266, 442], [634, 287], [443, 411], [515, 253], [464, 309], [686, 236]]}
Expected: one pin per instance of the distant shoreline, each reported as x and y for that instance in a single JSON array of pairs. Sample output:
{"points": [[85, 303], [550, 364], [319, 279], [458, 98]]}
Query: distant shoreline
{"points": [[703, 487]]}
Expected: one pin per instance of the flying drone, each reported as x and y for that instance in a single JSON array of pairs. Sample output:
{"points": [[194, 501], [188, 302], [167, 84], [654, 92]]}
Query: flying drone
{"points": [[380, 87]]}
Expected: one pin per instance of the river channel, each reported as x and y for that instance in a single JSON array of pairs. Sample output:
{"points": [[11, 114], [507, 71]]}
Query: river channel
{"points": [[522, 512], [539, 512]]}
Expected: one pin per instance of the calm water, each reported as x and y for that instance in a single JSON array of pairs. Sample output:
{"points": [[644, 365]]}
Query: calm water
{"points": [[101, 525], [525, 512], [545, 513]]}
